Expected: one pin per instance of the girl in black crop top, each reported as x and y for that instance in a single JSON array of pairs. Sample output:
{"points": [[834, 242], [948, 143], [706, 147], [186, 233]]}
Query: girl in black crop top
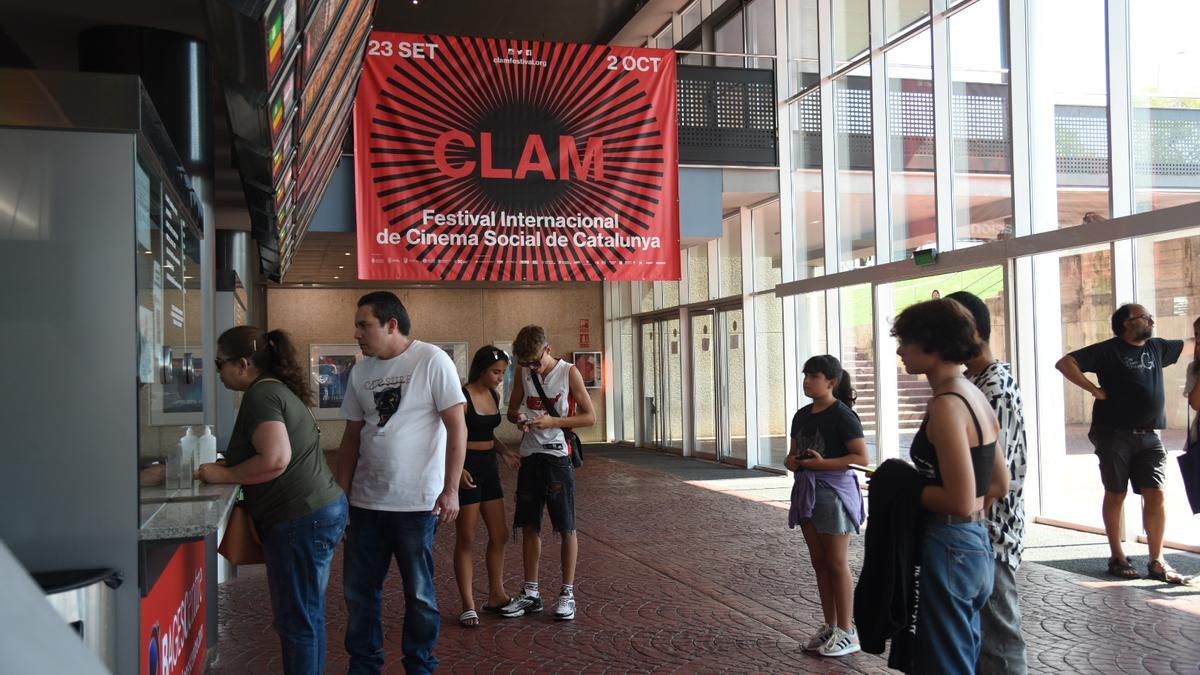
{"points": [[480, 492], [955, 453]]}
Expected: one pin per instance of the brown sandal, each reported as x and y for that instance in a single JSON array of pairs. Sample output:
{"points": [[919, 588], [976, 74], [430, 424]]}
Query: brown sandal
{"points": [[1122, 569], [1159, 570]]}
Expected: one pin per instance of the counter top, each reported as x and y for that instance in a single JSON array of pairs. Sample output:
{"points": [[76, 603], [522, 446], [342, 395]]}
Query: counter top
{"points": [[184, 513]]}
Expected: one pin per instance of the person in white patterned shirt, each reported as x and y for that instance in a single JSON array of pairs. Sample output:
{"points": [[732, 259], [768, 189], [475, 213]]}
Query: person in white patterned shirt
{"points": [[1003, 645]]}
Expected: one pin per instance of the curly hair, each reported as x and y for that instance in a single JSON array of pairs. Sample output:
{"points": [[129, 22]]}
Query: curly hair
{"points": [[272, 353], [943, 327]]}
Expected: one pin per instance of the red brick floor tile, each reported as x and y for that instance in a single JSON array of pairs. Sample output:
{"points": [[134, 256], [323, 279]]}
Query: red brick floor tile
{"points": [[677, 578]]}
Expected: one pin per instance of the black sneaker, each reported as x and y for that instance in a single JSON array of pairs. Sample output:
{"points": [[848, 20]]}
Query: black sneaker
{"points": [[526, 604]]}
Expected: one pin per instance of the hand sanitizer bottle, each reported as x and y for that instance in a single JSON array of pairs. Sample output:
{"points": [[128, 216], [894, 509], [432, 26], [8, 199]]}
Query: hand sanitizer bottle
{"points": [[187, 454], [208, 448]]}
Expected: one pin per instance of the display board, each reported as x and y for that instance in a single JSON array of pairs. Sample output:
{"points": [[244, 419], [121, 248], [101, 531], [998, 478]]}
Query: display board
{"points": [[492, 159]]}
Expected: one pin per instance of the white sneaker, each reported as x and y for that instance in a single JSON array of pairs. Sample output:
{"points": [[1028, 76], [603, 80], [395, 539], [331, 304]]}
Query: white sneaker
{"points": [[841, 643], [564, 610], [814, 643]]}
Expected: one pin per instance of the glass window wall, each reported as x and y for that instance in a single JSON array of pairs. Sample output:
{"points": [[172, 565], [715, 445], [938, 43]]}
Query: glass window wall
{"points": [[773, 417], [690, 17], [910, 145], [807, 204], [768, 251], [730, 263], [1169, 288], [760, 32], [730, 37], [1082, 280], [899, 15], [802, 53], [855, 161], [629, 399], [858, 355], [981, 123], [664, 39], [1165, 78], [1068, 100], [851, 30]]}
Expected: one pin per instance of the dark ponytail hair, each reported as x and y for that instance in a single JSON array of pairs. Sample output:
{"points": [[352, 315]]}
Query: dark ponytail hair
{"points": [[272, 353], [832, 369]]}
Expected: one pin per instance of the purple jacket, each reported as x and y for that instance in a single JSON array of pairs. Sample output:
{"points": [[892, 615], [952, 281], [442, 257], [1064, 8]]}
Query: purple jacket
{"points": [[804, 495]]}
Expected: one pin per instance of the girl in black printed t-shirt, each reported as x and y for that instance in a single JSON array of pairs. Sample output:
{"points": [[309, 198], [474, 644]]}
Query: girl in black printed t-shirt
{"points": [[826, 438]]}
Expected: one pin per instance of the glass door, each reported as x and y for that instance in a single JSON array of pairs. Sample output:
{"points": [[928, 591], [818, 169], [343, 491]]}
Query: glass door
{"points": [[733, 392], [719, 385], [705, 406], [662, 391], [651, 377]]}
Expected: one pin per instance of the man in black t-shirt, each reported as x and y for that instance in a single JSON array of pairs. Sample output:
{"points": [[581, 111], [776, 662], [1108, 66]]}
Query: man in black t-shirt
{"points": [[1128, 411]]}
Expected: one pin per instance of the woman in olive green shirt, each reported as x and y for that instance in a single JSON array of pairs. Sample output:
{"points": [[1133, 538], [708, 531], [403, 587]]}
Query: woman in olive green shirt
{"points": [[299, 510]]}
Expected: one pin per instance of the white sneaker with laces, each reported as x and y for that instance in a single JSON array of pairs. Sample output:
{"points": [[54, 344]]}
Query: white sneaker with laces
{"points": [[841, 643], [564, 610], [814, 643]]}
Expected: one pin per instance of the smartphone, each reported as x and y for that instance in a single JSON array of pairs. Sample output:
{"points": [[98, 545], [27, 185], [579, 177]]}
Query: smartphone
{"points": [[864, 469]]}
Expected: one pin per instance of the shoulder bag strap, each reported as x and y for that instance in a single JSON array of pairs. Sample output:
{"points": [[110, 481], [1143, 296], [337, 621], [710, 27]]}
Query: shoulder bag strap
{"points": [[537, 383], [310, 412]]}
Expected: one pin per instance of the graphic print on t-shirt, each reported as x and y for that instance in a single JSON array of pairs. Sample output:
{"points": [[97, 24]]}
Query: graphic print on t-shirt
{"points": [[811, 439], [535, 402], [387, 402], [1145, 363]]}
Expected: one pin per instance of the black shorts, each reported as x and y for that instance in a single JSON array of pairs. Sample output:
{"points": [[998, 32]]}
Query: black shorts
{"points": [[1129, 457], [549, 480], [485, 472]]}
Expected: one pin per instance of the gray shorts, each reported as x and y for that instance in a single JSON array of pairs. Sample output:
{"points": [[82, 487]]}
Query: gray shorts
{"points": [[830, 515], [1129, 457]]}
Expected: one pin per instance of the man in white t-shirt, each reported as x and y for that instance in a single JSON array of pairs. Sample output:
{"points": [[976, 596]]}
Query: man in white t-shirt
{"points": [[399, 462], [546, 479]]}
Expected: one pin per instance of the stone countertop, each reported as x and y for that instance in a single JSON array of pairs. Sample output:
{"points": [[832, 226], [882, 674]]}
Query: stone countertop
{"points": [[184, 513]]}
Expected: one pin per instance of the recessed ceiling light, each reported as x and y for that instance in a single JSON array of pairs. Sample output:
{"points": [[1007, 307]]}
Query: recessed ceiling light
{"points": [[335, 277], [341, 267], [347, 253]]}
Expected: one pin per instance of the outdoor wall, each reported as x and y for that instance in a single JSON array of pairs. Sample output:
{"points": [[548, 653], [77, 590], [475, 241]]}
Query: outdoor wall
{"points": [[478, 316]]}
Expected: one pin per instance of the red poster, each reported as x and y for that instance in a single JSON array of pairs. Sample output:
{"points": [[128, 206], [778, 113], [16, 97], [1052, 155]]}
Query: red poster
{"points": [[492, 159], [173, 616]]}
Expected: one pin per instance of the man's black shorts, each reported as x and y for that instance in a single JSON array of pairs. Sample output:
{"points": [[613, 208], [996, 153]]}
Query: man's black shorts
{"points": [[549, 480], [1129, 457]]}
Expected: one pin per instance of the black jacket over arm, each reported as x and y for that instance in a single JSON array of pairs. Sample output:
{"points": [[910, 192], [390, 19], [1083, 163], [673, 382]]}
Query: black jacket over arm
{"points": [[885, 597]]}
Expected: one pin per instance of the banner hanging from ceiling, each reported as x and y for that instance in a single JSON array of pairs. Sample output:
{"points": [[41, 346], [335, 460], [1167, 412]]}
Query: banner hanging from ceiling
{"points": [[491, 159]]}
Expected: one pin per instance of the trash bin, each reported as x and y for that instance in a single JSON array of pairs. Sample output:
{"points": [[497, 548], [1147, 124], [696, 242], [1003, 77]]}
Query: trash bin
{"points": [[86, 601]]}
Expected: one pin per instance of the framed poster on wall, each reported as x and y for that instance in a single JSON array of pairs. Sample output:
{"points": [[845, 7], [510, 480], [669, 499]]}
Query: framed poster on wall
{"points": [[506, 386], [457, 351], [330, 366], [591, 368]]}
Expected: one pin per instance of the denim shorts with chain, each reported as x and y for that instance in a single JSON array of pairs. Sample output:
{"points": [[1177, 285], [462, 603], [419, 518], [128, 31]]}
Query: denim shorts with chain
{"points": [[545, 480]]}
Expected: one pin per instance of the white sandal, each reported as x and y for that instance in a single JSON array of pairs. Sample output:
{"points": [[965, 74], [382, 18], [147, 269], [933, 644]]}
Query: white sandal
{"points": [[467, 616]]}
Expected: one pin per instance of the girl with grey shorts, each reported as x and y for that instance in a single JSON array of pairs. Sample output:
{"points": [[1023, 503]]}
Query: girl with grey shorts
{"points": [[826, 438]]}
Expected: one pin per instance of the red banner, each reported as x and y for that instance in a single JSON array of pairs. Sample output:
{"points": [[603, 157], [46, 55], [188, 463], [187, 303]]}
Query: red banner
{"points": [[173, 616], [491, 159]]}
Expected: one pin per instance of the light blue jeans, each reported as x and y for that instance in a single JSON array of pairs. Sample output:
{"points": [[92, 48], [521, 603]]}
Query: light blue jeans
{"points": [[957, 573]]}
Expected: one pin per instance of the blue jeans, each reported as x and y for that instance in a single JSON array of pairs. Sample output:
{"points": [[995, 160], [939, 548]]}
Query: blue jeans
{"points": [[298, 554], [372, 540], [957, 573]]}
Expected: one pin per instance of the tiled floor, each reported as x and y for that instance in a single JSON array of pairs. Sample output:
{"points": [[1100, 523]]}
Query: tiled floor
{"points": [[689, 567]]}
